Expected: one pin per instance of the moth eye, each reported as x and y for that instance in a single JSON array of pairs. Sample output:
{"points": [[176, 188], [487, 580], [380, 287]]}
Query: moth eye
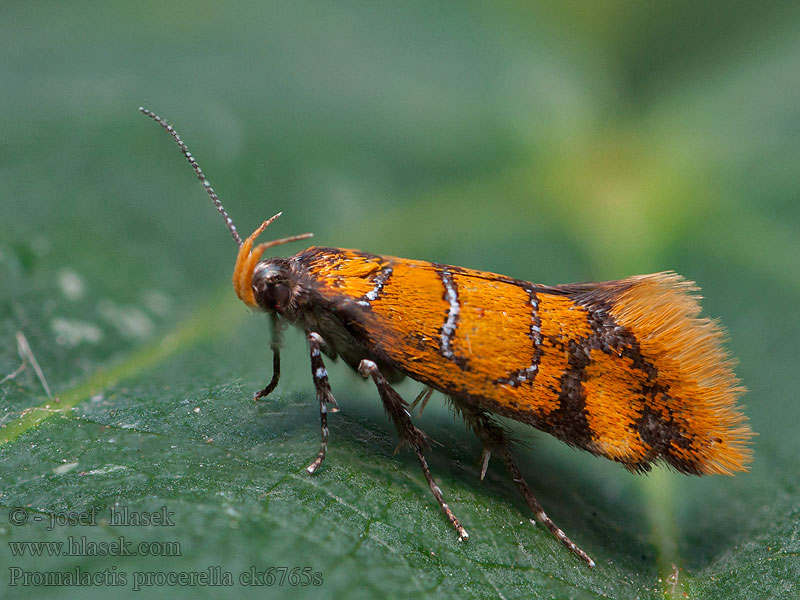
{"points": [[272, 296], [279, 293]]}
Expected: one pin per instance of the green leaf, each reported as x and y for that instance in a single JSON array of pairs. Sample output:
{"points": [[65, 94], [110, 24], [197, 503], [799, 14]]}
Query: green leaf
{"points": [[536, 141]]}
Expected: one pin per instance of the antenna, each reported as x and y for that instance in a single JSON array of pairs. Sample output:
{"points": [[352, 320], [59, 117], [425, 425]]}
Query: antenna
{"points": [[206, 183]]}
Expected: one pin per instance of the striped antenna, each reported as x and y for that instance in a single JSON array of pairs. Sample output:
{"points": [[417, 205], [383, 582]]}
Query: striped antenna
{"points": [[206, 184]]}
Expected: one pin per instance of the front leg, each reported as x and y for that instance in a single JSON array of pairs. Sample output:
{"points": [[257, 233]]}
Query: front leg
{"points": [[275, 345], [409, 434], [324, 396]]}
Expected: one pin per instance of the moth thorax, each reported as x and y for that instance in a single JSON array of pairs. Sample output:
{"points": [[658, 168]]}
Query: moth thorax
{"points": [[271, 285]]}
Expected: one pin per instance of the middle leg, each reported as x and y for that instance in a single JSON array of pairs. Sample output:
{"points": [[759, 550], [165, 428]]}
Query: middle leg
{"points": [[324, 396], [409, 434]]}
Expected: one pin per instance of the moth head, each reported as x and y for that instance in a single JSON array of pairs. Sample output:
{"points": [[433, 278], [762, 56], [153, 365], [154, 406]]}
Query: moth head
{"points": [[272, 290], [259, 285], [263, 284]]}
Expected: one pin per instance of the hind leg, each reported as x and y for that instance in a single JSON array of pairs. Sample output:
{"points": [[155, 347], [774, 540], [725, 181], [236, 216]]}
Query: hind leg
{"points": [[495, 441]]}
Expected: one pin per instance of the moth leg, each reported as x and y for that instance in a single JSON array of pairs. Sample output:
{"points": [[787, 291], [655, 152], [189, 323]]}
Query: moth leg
{"points": [[486, 454], [276, 374], [495, 441], [397, 408], [423, 397], [275, 345], [324, 396]]}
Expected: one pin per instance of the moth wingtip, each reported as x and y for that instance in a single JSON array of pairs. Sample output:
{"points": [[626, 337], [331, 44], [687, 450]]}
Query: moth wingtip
{"points": [[662, 310]]}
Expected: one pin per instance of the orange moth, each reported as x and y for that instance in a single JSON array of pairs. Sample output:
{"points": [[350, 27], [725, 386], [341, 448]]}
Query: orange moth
{"points": [[625, 369]]}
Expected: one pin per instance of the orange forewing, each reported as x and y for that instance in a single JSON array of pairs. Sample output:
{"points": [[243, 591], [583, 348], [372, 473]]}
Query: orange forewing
{"points": [[624, 369]]}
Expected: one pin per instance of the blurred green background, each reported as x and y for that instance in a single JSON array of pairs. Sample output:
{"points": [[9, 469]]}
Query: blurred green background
{"points": [[550, 141]]}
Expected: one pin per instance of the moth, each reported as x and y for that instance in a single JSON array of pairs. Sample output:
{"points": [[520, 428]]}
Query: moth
{"points": [[625, 369]]}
